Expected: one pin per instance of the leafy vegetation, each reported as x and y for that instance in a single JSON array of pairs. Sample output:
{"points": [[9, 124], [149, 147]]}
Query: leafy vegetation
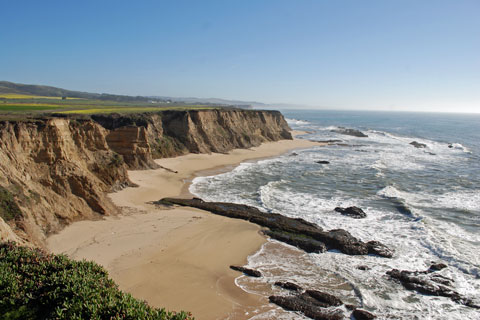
{"points": [[8, 207], [37, 285]]}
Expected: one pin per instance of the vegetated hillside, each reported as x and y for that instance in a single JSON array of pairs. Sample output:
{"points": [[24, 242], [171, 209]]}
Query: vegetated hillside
{"points": [[47, 91], [37, 285], [56, 170]]}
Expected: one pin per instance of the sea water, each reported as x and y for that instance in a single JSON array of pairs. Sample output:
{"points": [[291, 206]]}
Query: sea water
{"points": [[424, 203]]}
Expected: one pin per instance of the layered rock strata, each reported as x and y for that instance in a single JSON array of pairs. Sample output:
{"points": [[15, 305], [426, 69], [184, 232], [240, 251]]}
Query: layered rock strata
{"points": [[57, 169]]}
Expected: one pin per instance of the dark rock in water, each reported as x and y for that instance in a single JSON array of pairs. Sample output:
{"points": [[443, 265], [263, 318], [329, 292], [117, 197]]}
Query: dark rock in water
{"points": [[354, 212], [308, 306], [334, 141], [350, 132], [280, 226], [450, 145], [350, 307], [325, 298], [363, 268], [418, 144], [289, 286], [323, 162], [305, 243], [360, 314], [293, 154], [247, 271], [429, 283], [379, 249], [436, 267]]}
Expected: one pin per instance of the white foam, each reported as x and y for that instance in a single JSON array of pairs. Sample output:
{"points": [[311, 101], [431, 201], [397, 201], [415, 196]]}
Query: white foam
{"points": [[463, 200], [297, 122], [416, 242]]}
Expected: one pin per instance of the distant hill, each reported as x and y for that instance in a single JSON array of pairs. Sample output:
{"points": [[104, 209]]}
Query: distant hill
{"points": [[47, 91], [238, 103]]}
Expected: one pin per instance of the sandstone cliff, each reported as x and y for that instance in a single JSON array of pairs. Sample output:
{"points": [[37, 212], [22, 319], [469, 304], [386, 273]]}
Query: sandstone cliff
{"points": [[57, 170]]}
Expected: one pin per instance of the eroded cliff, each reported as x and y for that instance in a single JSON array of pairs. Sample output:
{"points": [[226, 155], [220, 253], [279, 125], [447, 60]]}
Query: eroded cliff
{"points": [[58, 170]]}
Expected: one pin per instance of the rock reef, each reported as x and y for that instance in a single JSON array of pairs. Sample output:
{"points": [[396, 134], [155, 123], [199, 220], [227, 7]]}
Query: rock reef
{"points": [[294, 231], [316, 304], [350, 132], [429, 282]]}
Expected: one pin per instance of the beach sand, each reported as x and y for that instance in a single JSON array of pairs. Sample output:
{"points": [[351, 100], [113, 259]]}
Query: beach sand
{"points": [[175, 258]]}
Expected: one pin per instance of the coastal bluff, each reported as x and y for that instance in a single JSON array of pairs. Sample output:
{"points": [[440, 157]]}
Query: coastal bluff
{"points": [[58, 169]]}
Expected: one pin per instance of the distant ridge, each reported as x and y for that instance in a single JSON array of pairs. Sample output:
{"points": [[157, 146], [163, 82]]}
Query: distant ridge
{"points": [[47, 91]]}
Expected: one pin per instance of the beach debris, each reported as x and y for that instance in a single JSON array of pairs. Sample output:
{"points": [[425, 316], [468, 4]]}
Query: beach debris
{"points": [[350, 132], [288, 286], [360, 314], [418, 144], [295, 228], [429, 282], [354, 212], [323, 162], [247, 271]]}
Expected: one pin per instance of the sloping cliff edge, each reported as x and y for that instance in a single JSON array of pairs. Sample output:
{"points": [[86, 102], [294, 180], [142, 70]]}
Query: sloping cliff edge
{"points": [[57, 170]]}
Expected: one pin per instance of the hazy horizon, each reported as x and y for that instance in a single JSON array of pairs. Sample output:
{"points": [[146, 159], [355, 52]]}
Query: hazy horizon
{"points": [[384, 56]]}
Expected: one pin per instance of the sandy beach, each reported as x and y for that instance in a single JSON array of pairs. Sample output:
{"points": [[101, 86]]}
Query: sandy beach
{"points": [[175, 258]]}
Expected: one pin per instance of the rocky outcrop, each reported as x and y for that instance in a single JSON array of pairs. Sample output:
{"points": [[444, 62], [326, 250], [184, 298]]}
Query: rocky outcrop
{"points": [[354, 212], [418, 144], [247, 271], [316, 304], [288, 286], [359, 314], [429, 282], [350, 132], [140, 138], [308, 305], [59, 169], [295, 231]]}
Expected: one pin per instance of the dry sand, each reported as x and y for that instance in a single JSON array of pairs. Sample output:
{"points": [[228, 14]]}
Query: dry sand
{"points": [[175, 258]]}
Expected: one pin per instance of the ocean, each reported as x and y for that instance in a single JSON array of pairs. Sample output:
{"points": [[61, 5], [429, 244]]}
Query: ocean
{"points": [[424, 203]]}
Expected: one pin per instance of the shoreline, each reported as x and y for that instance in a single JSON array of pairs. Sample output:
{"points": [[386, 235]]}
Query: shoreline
{"points": [[175, 258]]}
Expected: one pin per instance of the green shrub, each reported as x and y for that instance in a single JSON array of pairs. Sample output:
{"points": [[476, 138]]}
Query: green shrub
{"points": [[8, 207], [38, 285], [116, 160]]}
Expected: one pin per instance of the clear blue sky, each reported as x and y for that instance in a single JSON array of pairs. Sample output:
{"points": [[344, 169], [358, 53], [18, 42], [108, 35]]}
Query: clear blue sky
{"points": [[388, 54]]}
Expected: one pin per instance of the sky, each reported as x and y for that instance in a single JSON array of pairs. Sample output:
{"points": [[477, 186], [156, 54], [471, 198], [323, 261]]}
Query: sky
{"points": [[337, 54]]}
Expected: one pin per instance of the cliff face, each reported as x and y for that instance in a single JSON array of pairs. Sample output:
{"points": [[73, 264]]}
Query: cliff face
{"points": [[55, 171]]}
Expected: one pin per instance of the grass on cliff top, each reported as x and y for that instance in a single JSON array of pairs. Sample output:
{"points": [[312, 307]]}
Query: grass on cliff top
{"points": [[94, 110], [38, 285], [27, 96], [22, 106]]}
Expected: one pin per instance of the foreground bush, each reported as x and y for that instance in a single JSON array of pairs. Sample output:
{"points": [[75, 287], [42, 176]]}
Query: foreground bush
{"points": [[37, 285]]}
